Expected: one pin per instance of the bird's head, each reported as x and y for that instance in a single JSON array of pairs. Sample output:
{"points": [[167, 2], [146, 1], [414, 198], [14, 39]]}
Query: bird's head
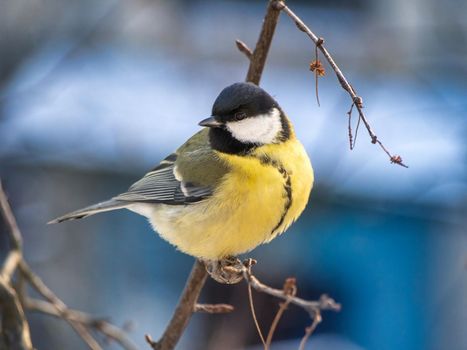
{"points": [[244, 116]]}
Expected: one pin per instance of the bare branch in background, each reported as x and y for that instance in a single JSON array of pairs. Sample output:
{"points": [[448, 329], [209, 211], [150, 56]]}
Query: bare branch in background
{"points": [[357, 100], [289, 288], [14, 233], [13, 302], [214, 308], [309, 330], [14, 328], [287, 293], [100, 325]]}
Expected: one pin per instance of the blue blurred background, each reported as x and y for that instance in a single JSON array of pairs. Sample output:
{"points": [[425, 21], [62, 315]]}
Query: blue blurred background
{"points": [[95, 93]]}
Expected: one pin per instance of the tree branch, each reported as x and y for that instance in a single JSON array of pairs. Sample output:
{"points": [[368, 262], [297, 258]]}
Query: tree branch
{"points": [[234, 270], [15, 329], [214, 308], [357, 100], [83, 318], [59, 305], [312, 307], [9, 266], [289, 289], [12, 227], [258, 59], [309, 330]]}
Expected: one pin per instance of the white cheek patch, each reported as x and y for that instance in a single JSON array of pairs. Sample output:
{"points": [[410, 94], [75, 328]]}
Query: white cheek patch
{"points": [[262, 129]]}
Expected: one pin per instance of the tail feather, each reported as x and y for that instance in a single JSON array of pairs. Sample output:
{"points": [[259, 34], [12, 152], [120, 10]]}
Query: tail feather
{"points": [[111, 204]]}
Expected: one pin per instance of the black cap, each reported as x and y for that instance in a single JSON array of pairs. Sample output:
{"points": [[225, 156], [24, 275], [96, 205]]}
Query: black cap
{"points": [[245, 97]]}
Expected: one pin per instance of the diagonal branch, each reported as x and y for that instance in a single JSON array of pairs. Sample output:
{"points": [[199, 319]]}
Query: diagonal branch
{"points": [[59, 305], [15, 329], [357, 100], [85, 319]]}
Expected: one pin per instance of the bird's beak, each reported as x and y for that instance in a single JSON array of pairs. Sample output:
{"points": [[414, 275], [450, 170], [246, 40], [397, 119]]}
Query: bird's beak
{"points": [[210, 123]]}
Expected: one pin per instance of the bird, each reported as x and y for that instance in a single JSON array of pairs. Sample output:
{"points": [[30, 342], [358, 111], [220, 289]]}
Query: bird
{"points": [[239, 182]]}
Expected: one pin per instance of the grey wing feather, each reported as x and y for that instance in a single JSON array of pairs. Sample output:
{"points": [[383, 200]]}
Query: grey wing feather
{"points": [[161, 185], [91, 210]]}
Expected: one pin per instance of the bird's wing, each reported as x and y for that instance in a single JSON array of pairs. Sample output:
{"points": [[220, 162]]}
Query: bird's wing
{"points": [[186, 176]]}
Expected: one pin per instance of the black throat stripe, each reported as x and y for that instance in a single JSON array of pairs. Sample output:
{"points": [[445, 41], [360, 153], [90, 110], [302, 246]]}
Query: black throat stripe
{"points": [[266, 160]]}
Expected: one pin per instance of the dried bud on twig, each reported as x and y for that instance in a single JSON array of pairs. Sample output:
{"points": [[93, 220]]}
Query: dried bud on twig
{"points": [[317, 66], [290, 286]]}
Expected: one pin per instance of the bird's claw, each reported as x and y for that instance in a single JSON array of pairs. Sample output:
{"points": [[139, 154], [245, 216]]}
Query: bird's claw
{"points": [[227, 271]]}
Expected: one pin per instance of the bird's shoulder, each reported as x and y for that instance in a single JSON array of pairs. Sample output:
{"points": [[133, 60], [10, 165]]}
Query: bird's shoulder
{"points": [[188, 175], [198, 163]]}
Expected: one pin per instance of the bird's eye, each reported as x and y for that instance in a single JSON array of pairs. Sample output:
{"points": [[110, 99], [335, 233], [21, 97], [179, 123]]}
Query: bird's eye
{"points": [[240, 115]]}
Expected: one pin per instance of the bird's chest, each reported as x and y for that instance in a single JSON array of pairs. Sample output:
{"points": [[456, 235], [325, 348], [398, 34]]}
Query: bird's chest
{"points": [[270, 189], [259, 198]]}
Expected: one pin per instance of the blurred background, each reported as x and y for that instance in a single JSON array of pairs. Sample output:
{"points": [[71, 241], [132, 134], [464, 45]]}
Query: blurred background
{"points": [[95, 93]]}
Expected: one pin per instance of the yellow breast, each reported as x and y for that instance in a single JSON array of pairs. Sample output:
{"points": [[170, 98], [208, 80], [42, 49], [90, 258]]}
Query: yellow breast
{"points": [[258, 199]]}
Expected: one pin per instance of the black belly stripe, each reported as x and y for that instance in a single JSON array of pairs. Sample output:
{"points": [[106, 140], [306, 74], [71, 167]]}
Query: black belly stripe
{"points": [[266, 160]]}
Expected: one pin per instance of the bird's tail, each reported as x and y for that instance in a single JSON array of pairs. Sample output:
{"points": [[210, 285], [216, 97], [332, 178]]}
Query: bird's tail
{"points": [[111, 204]]}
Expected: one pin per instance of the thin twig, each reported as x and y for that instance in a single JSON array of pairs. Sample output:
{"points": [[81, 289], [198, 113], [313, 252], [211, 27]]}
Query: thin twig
{"points": [[309, 330], [16, 296], [242, 47], [235, 268], [252, 306], [290, 289], [214, 308], [312, 307], [356, 131], [85, 319], [349, 113], [341, 78], [14, 260], [59, 305], [317, 68]]}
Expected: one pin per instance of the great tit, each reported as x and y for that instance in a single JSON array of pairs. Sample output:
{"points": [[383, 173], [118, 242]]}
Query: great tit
{"points": [[239, 182]]}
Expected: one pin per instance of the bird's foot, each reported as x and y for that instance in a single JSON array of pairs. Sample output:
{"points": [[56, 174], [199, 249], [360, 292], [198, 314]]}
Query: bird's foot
{"points": [[227, 271]]}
